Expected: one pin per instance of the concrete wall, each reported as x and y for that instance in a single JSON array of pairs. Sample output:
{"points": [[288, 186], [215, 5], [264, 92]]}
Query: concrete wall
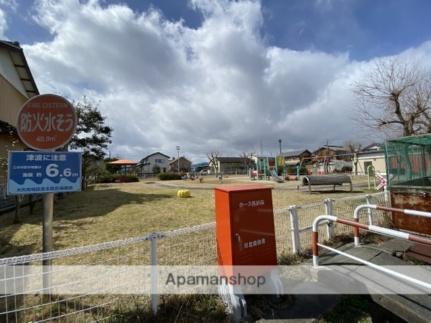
{"points": [[9, 72], [11, 101]]}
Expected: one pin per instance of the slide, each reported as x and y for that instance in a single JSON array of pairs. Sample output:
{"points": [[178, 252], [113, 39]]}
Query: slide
{"points": [[275, 177]]}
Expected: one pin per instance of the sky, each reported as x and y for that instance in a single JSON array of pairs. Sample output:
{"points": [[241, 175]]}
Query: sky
{"points": [[226, 76]]}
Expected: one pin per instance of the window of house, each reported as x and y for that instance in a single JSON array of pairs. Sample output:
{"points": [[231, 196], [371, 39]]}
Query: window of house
{"points": [[159, 161]]}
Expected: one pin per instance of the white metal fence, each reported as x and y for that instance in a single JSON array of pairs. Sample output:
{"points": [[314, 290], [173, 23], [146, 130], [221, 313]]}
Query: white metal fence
{"points": [[187, 246], [301, 217]]}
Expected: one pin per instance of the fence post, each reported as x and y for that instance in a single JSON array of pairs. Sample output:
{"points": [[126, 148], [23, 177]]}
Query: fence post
{"points": [[294, 229], [154, 278], [369, 211], [329, 210], [386, 194]]}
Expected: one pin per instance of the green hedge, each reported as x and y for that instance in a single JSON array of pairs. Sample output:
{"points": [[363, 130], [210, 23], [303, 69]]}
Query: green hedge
{"points": [[291, 170], [111, 178], [169, 176]]}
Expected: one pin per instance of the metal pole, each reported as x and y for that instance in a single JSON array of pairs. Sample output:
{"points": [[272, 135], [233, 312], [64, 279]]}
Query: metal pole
{"points": [[329, 211], [279, 143], [48, 214], [178, 159], [294, 229], [154, 278], [369, 200]]}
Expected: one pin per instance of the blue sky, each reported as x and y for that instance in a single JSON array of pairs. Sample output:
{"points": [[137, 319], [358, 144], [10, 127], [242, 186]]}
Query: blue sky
{"points": [[216, 74], [363, 28]]}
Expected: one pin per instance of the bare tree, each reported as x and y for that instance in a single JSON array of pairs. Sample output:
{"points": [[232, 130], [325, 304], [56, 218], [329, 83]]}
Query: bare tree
{"points": [[396, 95], [353, 148], [213, 161]]}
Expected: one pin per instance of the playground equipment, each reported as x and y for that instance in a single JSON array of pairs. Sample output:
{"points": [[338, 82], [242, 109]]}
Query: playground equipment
{"points": [[270, 168], [326, 180], [183, 193], [275, 177]]}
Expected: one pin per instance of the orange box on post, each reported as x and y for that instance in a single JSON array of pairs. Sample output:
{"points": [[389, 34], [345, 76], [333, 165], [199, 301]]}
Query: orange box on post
{"points": [[245, 226]]}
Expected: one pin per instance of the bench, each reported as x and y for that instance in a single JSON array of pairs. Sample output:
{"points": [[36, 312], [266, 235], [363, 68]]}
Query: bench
{"points": [[326, 180]]}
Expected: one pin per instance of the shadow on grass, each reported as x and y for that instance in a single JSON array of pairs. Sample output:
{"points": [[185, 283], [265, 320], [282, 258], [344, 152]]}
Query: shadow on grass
{"points": [[88, 204]]}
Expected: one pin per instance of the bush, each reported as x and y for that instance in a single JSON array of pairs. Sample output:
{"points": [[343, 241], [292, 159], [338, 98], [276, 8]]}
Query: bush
{"points": [[108, 178], [126, 179], [291, 170], [169, 176], [111, 178]]}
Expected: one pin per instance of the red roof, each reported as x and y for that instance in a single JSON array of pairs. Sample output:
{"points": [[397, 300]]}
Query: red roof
{"points": [[123, 162]]}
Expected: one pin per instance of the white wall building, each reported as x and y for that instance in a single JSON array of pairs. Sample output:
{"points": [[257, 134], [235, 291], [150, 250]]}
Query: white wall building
{"points": [[148, 163]]}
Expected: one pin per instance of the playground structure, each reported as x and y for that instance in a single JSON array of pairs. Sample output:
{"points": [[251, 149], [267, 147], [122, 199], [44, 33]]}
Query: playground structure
{"points": [[270, 168]]}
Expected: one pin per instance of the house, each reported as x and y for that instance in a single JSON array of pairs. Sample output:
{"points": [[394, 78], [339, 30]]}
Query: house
{"points": [[16, 87], [231, 165], [332, 159], [154, 163], [182, 164], [371, 155], [297, 157], [197, 168], [331, 152]]}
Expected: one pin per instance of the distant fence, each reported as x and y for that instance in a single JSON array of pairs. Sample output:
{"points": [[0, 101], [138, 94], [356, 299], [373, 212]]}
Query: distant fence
{"points": [[194, 245]]}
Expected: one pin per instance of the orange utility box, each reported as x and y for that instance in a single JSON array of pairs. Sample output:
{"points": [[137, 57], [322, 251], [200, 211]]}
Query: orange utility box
{"points": [[245, 226]]}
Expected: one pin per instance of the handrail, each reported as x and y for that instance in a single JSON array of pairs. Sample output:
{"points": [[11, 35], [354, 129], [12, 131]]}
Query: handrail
{"points": [[369, 227], [381, 208]]}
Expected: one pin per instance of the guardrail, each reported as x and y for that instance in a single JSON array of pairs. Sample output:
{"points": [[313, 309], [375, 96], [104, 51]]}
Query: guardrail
{"points": [[381, 208], [371, 228]]}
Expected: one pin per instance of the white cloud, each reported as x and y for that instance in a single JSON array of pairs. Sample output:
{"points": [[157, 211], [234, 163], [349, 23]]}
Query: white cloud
{"points": [[216, 87], [3, 24]]}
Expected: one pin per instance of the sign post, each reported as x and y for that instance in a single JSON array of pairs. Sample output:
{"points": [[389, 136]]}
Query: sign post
{"points": [[45, 123]]}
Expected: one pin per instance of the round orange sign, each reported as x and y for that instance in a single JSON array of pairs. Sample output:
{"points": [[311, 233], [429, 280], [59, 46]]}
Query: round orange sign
{"points": [[46, 122]]}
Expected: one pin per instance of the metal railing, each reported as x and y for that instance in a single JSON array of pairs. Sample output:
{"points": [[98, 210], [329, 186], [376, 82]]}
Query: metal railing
{"points": [[370, 207], [371, 228], [302, 217]]}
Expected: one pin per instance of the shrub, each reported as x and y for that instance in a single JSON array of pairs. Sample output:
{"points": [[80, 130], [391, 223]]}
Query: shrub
{"points": [[169, 176], [126, 179], [107, 178], [156, 169], [291, 170], [111, 178]]}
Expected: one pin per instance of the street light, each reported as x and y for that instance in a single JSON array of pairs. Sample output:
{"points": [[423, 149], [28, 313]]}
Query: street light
{"points": [[279, 143], [178, 159]]}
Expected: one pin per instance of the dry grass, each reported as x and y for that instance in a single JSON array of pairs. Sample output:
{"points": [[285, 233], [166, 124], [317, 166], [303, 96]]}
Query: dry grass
{"points": [[116, 211]]}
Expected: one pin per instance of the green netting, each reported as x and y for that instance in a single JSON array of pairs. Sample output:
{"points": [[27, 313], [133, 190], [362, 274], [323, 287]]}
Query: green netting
{"points": [[408, 161]]}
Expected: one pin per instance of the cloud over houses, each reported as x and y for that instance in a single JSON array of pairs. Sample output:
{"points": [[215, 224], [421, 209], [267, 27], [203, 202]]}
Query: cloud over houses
{"points": [[218, 86]]}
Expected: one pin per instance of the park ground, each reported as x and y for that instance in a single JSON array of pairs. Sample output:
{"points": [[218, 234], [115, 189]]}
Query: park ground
{"points": [[117, 211], [108, 212]]}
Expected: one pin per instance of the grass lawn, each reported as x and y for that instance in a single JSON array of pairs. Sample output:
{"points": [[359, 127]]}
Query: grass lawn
{"points": [[117, 211]]}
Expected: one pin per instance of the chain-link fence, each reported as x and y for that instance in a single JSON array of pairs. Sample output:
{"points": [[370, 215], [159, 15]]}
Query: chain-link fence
{"points": [[187, 246]]}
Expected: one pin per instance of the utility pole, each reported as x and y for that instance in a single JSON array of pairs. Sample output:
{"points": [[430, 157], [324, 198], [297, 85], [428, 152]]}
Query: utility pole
{"points": [[178, 159], [279, 143]]}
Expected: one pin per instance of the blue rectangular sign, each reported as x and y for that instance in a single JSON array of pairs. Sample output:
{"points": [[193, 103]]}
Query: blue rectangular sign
{"points": [[35, 172]]}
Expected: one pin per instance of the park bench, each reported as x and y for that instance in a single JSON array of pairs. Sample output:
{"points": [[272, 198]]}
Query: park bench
{"points": [[326, 180]]}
